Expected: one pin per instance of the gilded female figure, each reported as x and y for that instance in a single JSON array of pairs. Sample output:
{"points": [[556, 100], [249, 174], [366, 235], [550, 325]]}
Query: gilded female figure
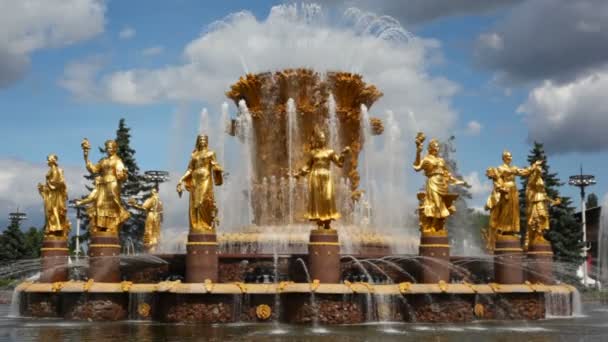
{"points": [[537, 200], [106, 213], [54, 193], [203, 171], [154, 216], [436, 203], [321, 199]]}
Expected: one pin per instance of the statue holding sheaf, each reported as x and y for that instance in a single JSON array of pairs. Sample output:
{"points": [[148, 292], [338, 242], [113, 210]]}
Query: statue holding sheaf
{"points": [[54, 193]]}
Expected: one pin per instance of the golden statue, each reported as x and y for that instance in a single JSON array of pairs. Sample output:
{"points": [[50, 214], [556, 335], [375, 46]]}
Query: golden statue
{"points": [[321, 200], [54, 193], [203, 171], [106, 213], [537, 213], [153, 207], [436, 203], [503, 202]]}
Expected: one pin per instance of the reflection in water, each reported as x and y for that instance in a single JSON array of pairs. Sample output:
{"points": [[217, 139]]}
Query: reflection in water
{"points": [[591, 327]]}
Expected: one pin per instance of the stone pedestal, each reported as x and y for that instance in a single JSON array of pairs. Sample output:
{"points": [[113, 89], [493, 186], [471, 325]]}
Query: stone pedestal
{"points": [[324, 256], [540, 263], [435, 265], [54, 260], [201, 258], [508, 258], [104, 259]]}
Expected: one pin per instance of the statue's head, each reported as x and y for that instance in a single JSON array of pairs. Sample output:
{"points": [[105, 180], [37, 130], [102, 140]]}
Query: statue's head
{"points": [[202, 141], [434, 147], [51, 159], [111, 147], [319, 137], [154, 192], [507, 157]]}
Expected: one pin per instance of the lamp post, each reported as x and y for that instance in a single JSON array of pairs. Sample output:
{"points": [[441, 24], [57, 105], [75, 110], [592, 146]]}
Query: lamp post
{"points": [[582, 181], [17, 217], [157, 177], [78, 218]]}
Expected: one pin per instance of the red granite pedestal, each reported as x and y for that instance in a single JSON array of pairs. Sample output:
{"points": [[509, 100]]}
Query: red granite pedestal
{"points": [[540, 263], [54, 260], [104, 258], [435, 266], [201, 258], [324, 256], [508, 258]]}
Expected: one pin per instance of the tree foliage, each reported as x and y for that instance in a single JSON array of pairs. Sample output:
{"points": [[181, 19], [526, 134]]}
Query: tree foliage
{"points": [[592, 201], [16, 244]]}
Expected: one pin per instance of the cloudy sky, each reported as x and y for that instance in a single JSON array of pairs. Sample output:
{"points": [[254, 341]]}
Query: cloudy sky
{"points": [[497, 74]]}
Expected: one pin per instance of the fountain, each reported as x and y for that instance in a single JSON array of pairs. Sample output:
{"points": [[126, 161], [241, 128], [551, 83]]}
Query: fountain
{"points": [[261, 261]]}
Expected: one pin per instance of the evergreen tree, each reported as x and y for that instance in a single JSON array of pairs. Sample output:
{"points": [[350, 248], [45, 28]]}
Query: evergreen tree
{"points": [[33, 242], [565, 233], [592, 201], [12, 243], [136, 185], [460, 225]]}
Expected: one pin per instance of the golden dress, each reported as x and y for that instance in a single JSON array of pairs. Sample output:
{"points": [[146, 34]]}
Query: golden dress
{"points": [[504, 201], [437, 201], [55, 194], [321, 201], [154, 211], [107, 213], [198, 180], [537, 214]]}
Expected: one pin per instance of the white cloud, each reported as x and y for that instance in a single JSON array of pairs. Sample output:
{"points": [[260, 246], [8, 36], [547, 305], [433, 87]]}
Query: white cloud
{"points": [[152, 51], [473, 128], [127, 33], [18, 187], [480, 188], [491, 40], [30, 25], [80, 78], [569, 117], [299, 36]]}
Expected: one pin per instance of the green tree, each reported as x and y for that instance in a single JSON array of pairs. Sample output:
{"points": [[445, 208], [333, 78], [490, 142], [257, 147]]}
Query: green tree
{"points": [[12, 243], [592, 201], [565, 233], [33, 242], [136, 185]]}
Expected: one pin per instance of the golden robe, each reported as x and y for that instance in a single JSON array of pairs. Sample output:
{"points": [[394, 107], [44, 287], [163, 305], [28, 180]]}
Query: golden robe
{"points": [[321, 201], [436, 202], [154, 210], [199, 182], [55, 194], [107, 213], [504, 201]]}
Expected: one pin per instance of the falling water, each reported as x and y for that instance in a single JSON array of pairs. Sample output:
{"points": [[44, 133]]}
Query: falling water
{"points": [[602, 251], [292, 154], [203, 126], [367, 147], [334, 139], [246, 130], [221, 137]]}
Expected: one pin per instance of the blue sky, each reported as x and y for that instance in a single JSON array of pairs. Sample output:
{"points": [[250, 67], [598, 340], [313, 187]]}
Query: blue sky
{"points": [[57, 90]]}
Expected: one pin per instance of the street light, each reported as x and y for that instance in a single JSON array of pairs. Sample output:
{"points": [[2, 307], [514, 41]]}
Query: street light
{"points": [[17, 217], [157, 177], [582, 181]]}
